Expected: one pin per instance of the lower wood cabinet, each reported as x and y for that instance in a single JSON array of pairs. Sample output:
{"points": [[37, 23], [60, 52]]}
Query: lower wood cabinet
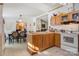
{"points": [[57, 40], [41, 42], [45, 39], [52, 40], [37, 42]]}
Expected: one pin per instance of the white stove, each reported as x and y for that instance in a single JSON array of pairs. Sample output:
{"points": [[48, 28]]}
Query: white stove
{"points": [[69, 42]]}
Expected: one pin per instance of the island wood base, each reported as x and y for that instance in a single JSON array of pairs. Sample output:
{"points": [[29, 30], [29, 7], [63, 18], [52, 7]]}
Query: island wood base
{"points": [[38, 42]]}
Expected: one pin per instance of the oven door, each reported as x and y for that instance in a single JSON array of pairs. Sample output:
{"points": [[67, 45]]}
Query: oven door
{"points": [[69, 40]]}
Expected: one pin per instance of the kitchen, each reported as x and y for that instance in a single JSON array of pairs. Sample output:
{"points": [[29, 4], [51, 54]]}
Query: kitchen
{"points": [[47, 27], [63, 32]]}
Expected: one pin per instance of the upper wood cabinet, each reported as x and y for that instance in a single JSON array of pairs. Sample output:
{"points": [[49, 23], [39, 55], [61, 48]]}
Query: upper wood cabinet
{"points": [[70, 16], [55, 20], [65, 17], [75, 16]]}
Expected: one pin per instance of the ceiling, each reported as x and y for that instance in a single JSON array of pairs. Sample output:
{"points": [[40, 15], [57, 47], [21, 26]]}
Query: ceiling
{"points": [[26, 9]]}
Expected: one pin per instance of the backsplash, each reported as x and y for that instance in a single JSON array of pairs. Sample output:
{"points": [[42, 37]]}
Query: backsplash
{"points": [[70, 27]]}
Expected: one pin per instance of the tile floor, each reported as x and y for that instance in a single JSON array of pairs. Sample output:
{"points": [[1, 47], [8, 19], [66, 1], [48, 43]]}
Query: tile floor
{"points": [[54, 51], [20, 50]]}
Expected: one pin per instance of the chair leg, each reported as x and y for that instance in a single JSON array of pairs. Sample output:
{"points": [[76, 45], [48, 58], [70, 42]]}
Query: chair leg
{"points": [[20, 40], [10, 40], [13, 40], [17, 39], [24, 40]]}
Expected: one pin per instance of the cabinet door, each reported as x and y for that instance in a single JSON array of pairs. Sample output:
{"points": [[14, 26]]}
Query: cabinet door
{"points": [[37, 42], [51, 40], [55, 20], [45, 41], [57, 40], [52, 20], [69, 16], [75, 16], [58, 20]]}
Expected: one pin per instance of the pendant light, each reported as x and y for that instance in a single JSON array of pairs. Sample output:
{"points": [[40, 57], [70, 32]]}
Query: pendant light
{"points": [[20, 17]]}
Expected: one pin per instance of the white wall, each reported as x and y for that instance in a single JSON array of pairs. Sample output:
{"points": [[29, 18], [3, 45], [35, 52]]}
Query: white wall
{"points": [[10, 24]]}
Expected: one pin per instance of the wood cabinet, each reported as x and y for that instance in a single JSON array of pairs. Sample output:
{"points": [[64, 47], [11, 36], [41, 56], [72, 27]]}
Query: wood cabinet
{"points": [[61, 19], [41, 42], [37, 42], [55, 20], [64, 17], [52, 40], [48, 40], [70, 16], [75, 16], [57, 40], [34, 43], [45, 41], [58, 20]]}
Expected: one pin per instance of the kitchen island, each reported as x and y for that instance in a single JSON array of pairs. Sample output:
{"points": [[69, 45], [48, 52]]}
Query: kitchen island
{"points": [[39, 41]]}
